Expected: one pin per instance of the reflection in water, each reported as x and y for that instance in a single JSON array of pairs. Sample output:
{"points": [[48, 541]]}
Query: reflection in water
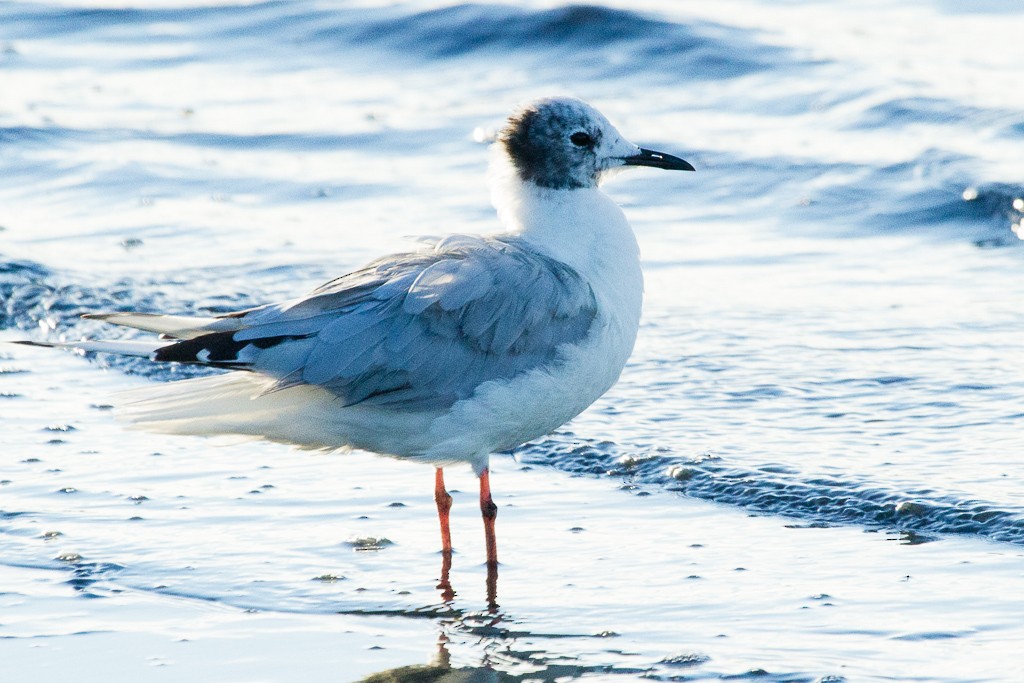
{"points": [[448, 593], [438, 672], [499, 661], [492, 588], [444, 585]]}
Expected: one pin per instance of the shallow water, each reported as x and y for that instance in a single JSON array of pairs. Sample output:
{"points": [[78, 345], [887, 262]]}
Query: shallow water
{"points": [[828, 342]]}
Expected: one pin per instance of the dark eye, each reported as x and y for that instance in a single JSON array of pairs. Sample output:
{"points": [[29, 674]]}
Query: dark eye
{"points": [[581, 139]]}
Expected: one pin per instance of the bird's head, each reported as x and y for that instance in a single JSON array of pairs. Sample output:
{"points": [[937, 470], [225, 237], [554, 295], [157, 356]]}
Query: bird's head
{"points": [[563, 143]]}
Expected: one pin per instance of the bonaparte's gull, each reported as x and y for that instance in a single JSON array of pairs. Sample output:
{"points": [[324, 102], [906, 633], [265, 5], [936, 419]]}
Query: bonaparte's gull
{"points": [[474, 345]]}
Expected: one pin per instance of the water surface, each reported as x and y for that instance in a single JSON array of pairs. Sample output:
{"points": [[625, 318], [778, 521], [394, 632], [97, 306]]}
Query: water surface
{"points": [[828, 344]]}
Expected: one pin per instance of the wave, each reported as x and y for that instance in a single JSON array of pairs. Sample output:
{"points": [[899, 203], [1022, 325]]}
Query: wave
{"points": [[49, 135], [596, 40], [904, 111], [892, 198], [990, 215], [781, 490]]}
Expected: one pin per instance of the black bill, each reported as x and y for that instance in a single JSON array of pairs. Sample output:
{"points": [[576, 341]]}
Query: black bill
{"points": [[648, 157]]}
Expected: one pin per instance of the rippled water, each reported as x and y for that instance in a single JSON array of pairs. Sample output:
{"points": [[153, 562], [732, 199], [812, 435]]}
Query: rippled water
{"points": [[832, 311]]}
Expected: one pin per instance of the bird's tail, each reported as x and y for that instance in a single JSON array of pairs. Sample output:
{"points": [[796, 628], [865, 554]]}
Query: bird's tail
{"points": [[169, 326], [243, 404], [236, 403], [184, 405]]}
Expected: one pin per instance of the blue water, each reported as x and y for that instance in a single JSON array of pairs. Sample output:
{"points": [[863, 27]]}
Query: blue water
{"points": [[833, 316]]}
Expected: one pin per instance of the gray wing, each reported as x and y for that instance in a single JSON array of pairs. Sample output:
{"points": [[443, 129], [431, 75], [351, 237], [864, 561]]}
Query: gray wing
{"points": [[416, 331]]}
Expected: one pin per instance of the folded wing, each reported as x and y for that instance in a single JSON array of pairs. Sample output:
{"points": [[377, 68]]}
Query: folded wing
{"points": [[411, 331]]}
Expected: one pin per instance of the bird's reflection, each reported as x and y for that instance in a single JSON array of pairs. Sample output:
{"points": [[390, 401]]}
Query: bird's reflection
{"points": [[498, 657], [492, 588], [448, 593], [438, 671], [444, 585], [484, 630]]}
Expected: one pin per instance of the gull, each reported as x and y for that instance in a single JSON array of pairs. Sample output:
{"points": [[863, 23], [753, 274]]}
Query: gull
{"points": [[469, 346]]}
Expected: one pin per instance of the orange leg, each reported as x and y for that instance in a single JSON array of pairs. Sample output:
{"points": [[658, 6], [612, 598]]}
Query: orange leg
{"points": [[490, 512], [444, 506]]}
